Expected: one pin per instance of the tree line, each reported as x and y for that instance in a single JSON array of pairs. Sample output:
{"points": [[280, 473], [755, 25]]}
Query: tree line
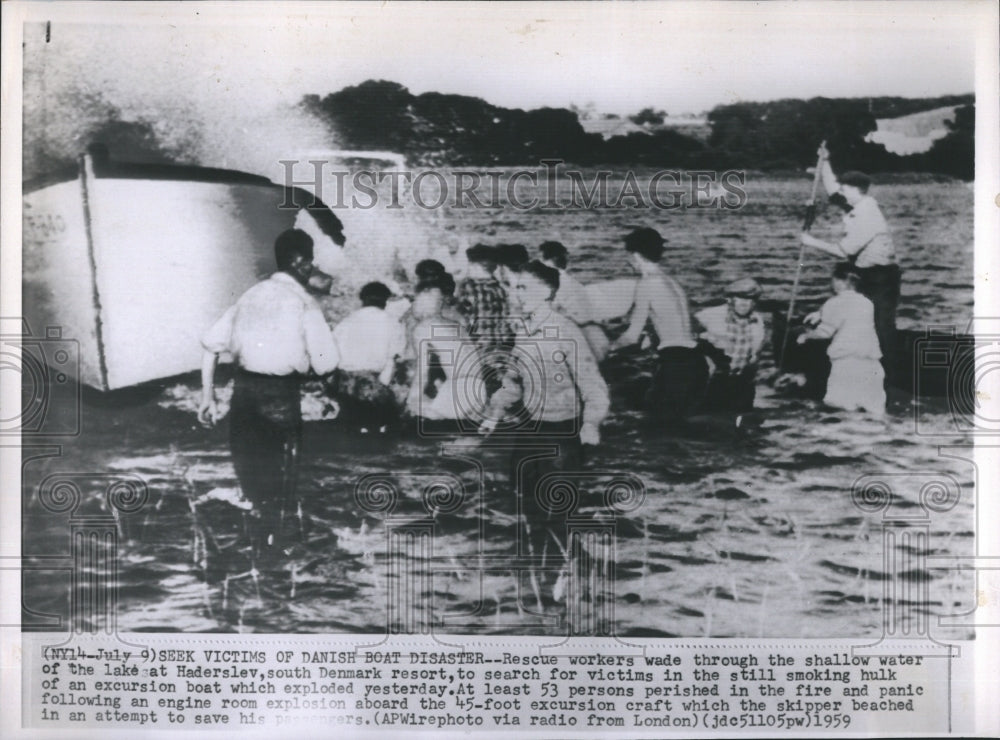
{"points": [[436, 129]]}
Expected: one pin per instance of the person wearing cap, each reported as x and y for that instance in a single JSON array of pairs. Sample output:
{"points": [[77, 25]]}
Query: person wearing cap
{"points": [[369, 340], [681, 372], [274, 333], [867, 244], [848, 321], [733, 335]]}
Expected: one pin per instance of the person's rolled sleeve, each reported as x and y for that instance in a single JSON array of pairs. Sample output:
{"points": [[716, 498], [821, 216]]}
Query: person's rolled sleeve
{"points": [[219, 337]]}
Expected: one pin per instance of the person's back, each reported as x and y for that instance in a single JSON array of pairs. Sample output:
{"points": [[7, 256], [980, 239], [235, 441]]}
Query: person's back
{"points": [[368, 340], [275, 333], [852, 318], [848, 321], [668, 309], [259, 336]]}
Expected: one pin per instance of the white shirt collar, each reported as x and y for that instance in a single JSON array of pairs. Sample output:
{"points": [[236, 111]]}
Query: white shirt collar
{"points": [[285, 279], [537, 320]]}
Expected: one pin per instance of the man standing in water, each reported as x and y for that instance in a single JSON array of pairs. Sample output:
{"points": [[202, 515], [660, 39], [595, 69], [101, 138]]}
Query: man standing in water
{"points": [[572, 300], [734, 333], [274, 333], [566, 401], [681, 372], [867, 244]]}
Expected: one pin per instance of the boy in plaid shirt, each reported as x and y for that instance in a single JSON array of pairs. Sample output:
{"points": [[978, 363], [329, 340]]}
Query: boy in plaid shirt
{"points": [[483, 304], [733, 336]]}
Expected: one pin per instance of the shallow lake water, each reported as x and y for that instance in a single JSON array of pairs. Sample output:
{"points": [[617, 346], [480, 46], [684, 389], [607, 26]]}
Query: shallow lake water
{"points": [[754, 537]]}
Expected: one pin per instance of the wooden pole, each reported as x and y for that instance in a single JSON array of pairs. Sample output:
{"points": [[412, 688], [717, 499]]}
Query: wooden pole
{"points": [[806, 225]]}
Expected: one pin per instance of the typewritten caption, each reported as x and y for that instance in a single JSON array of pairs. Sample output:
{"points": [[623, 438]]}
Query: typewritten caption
{"points": [[265, 683]]}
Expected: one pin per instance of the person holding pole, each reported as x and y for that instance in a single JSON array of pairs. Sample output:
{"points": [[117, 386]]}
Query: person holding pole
{"points": [[867, 244], [807, 224]]}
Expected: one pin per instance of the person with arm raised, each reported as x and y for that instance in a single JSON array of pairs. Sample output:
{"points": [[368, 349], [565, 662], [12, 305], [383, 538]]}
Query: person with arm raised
{"points": [[867, 244]]}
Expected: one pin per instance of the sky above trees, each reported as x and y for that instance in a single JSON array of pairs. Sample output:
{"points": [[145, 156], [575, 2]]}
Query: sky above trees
{"points": [[621, 57]]}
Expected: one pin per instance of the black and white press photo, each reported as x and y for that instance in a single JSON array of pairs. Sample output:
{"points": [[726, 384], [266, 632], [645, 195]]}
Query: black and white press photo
{"points": [[637, 323]]}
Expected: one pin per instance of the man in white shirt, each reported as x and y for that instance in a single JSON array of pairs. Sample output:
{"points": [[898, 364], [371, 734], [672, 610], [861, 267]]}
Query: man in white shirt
{"points": [[681, 372], [369, 341], [571, 300], [848, 320], [867, 243], [274, 334]]}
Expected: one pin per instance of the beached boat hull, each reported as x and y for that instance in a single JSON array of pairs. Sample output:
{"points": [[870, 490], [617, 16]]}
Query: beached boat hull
{"points": [[135, 263]]}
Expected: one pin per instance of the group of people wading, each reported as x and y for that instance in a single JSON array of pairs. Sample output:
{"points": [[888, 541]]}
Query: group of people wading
{"points": [[512, 349]]}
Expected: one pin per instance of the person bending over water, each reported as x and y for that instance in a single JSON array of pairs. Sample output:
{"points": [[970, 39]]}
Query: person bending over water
{"points": [[848, 320], [681, 373], [867, 244], [572, 300]]}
